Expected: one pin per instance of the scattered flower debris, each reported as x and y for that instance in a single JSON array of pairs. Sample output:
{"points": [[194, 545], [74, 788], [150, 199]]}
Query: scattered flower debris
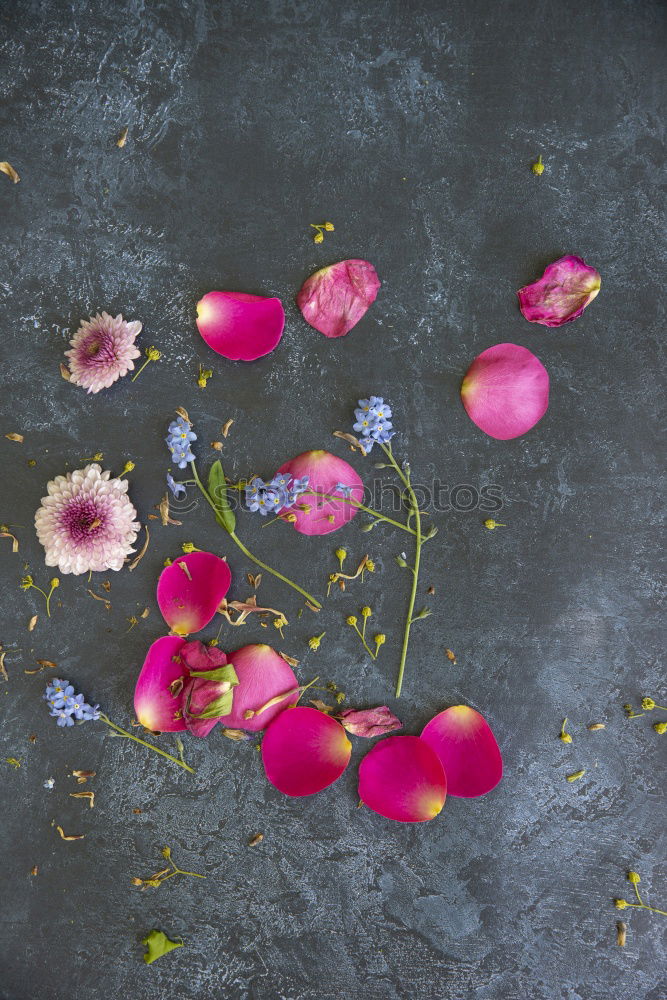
{"points": [[157, 945], [537, 167], [15, 437], [257, 839], [90, 796], [156, 880], [450, 656], [122, 138], [576, 775], [72, 836], [7, 168]]}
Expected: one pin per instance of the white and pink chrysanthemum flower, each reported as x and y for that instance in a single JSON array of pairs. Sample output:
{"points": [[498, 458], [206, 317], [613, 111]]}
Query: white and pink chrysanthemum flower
{"points": [[103, 350], [87, 522]]}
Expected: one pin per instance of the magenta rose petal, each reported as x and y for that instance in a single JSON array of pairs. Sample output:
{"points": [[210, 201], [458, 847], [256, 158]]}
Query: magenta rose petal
{"points": [[370, 722], [402, 778], [467, 748], [304, 751], [561, 294], [334, 299], [190, 590], [157, 695], [200, 694], [326, 474], [506, 391], [241, 327], [263, 676]]}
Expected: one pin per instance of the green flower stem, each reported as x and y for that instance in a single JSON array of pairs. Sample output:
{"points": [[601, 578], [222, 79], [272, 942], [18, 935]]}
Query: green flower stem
{"points": [[353, 503], [130, 736], [644, 906], [248, 553], [415, 569], [365, 644]]}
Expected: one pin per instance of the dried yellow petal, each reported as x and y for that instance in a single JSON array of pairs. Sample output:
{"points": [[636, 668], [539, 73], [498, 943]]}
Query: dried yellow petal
{"points": [[122, 138], [32, 623], [8, 169], [73, 836], [15, 437]]}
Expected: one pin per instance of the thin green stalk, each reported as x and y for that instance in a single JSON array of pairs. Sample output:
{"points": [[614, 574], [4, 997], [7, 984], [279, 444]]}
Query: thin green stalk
{"points": [[131, 736], [365, 644], [248, 553], [645, 906], [415, 569]]}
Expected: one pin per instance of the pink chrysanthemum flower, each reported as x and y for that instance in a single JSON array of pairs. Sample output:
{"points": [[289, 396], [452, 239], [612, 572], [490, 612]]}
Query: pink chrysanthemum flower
{"points": [[87, 522], [103, 349]]}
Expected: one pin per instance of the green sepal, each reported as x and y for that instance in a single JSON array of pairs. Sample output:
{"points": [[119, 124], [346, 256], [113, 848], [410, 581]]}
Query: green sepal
{"points": [[158, 944], [217, 491], [220, 706], [225, 673]]}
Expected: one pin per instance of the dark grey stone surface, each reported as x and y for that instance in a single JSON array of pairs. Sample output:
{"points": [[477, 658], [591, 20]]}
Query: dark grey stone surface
{"points": [[412, 127]]}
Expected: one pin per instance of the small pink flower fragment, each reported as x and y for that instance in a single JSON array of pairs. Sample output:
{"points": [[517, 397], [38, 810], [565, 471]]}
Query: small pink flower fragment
{"points": [[240, 327], [157, 696], [334, 299], [370, 722], [467, 748], [102, 351], [189, 591], [263, 677], [562, 293], [327, 475], [402, 779], [198, 693], [506, 391], [304, 751]]}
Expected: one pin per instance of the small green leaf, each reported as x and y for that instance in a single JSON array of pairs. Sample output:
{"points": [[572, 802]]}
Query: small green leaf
{"points": [[158, 944], [226, 673], [217, 491], [216, 708]]}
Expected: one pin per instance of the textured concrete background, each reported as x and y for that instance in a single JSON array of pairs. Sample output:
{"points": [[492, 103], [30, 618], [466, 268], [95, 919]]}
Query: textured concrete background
{"points": [[412, 127]]}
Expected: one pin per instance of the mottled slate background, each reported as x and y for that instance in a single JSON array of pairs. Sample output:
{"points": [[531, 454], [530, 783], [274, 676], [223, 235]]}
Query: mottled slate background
{"points": [[412, 127]]}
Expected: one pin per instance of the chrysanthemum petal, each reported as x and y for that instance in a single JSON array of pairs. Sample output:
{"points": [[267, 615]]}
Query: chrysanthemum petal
{"points": [[402, 778], [561, 294], [263, 676], [334, 299], [326, 472], [467, 748], [506, 391], [190, 590], [156, 706], [304, 751], [241, 327]]}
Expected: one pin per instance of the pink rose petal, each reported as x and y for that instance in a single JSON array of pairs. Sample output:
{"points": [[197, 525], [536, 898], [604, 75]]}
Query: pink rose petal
{"points": [[402, 778], [334, 299], [561, 294], [263, 675], [325, 471], [467, 748], [189, 591], [240, 327], [369, 722], [155, 706], [506, 391], [304, 751]]}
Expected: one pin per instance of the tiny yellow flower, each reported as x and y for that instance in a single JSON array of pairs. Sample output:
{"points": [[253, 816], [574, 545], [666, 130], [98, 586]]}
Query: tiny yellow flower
{"points": [[351, 620], [128, 467], [366, 612], [318, 237], [648, 704], [380, 639], [370, 566], [620, 904], [634, 878], [491, 524], [153, 354], [314, 641], [329, 226], [660, 727], [538, 166], [188, 547]]}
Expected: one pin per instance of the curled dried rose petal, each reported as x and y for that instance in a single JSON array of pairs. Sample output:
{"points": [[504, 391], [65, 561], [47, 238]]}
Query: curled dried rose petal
{"points": [[467, 748], [264, 677], [561, 294], [241, 327], [190, 590], [506, 391], [370, 722], [402, 778], [204, 701], [155, 706], [326, 473], [334, 299], [304, 751]]}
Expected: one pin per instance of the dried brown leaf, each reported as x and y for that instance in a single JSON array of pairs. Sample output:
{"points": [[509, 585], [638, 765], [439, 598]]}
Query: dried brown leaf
{"points": [[183, 413], [82, 776], [450, 655], [216, 445], [8, 169], [145, 613], [15, 437], [106, 585], [15, 541], [596, 725], [84, 795], [65, 372], [289, 659], [235, 734], [621, 933], [137, 559], [321, 705], [312, 607], [225, 427], [72, 836], [3, 670], [98, 597], [163, 507], [43, 665], [122, 138], [32, 622]]}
